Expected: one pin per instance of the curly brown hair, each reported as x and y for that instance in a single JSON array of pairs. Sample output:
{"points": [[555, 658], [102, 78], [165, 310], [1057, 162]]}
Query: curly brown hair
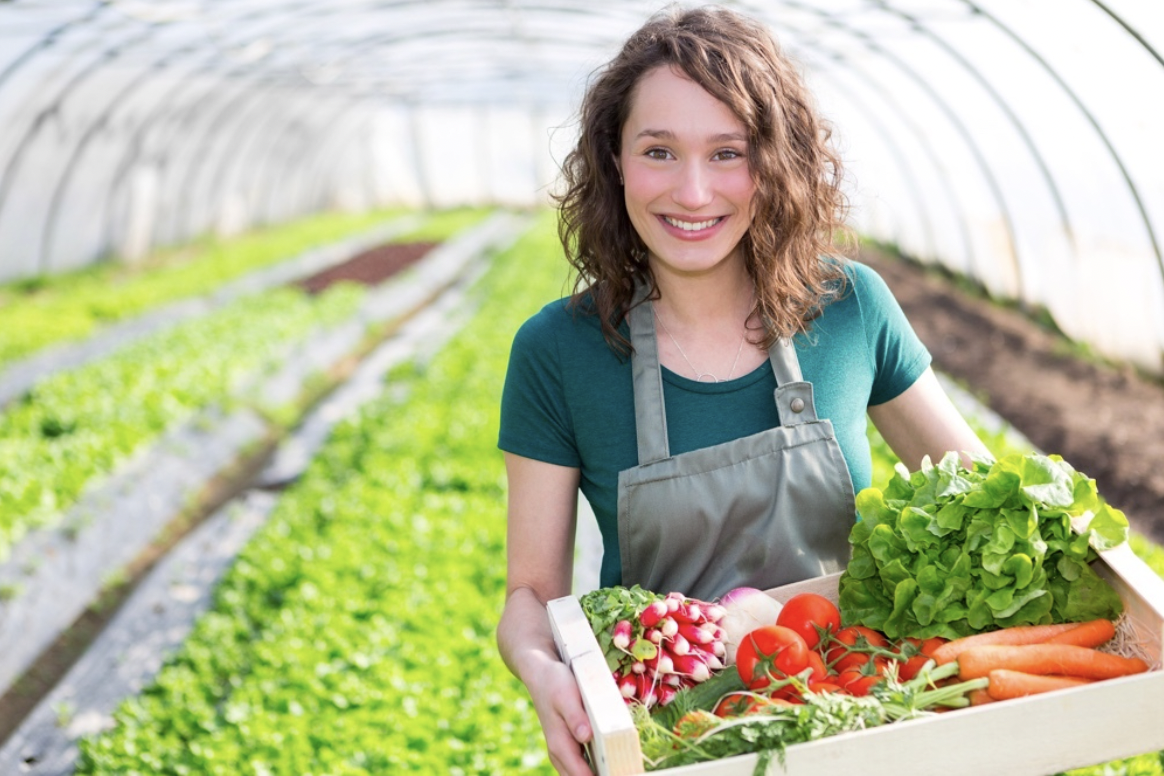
{"points": [[792, 247]]}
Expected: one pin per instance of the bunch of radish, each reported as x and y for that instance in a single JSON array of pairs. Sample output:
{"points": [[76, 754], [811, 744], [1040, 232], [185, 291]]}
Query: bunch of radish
{"points": [[672, 643]]}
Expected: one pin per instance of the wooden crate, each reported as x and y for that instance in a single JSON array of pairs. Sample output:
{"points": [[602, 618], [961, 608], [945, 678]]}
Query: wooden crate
{"points": [[1032, 736]]}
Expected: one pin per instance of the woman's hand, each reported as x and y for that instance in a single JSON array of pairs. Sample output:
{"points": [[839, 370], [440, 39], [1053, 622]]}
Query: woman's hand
{"points": [[527, 645], [543, 501], [564, 721]]}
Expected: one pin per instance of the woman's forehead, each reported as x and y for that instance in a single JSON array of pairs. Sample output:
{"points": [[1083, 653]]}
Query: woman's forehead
{"points": [[667, 104]]}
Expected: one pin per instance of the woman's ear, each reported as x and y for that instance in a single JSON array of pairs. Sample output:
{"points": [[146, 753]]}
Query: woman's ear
{"points": [[618, 166]]}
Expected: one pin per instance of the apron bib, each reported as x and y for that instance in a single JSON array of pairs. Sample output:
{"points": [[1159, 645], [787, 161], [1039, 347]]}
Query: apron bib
{"points": [[760, 511]]}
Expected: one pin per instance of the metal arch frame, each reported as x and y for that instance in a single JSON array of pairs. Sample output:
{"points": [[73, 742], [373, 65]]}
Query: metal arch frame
{"points": [[1088, 116], [162, 63], [951, 115], [49, 39], [49, 227], [214, 77], [890, 140], [295, 114], [316, 172], [535, 12], [145, 75], [159, 114], [888, 99], [53, 107], [1019, 126], [1131, 31]]}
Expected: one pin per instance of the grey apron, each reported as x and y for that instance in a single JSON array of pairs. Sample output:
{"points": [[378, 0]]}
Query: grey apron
{"points": [[759, 511]]}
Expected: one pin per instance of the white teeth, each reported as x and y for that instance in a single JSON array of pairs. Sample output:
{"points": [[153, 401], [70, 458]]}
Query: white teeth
{"points": [[691, 226]]}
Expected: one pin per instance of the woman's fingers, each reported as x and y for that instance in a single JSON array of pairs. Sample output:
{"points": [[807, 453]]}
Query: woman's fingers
{"points": [[564, 722]]}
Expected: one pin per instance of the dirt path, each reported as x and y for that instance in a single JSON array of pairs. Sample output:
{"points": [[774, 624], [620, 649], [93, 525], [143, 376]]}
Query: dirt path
{"points": [[1107, 422]]}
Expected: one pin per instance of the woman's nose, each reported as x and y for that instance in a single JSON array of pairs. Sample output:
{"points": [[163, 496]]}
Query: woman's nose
{"points": [[693, 188]]}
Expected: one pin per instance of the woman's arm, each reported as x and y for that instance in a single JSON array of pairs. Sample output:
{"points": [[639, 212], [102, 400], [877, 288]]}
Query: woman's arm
{"points": [[543, 500], [923, 421]]}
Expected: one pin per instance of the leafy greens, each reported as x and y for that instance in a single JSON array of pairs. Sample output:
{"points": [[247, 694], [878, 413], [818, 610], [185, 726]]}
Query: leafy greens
{"points": [[946, 551]]}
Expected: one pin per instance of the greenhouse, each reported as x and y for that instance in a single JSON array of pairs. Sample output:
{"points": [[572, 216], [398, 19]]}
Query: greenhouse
{"points": [[266, 273]]}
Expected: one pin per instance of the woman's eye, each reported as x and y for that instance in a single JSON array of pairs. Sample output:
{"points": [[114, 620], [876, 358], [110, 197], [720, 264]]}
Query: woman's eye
{"points": [[656, 153], [727, 154]]}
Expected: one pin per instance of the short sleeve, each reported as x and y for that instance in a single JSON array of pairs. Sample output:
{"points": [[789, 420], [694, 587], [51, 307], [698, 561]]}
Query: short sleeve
{"points": [[899, 357], [535, 420]]}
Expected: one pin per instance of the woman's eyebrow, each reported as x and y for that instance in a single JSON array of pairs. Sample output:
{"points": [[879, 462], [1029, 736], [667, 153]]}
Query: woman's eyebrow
{"points": [[666, 134]]}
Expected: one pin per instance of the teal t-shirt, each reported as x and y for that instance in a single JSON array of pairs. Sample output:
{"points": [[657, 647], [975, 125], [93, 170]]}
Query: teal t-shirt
{"points": [[568, 398]]}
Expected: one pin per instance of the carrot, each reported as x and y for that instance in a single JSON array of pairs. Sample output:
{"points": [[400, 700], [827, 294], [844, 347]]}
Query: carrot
{"points": [[1087, 634], [979, 697], [1006, 684], [1064, 659], [1018, 634]]}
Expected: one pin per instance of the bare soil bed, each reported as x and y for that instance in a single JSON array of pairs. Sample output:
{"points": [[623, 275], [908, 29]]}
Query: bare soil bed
{"points": [[370, 267], [1107, 421]]}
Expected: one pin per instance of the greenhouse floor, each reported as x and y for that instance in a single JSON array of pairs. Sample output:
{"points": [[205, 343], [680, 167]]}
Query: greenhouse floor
{"points": [[1109, 422]]}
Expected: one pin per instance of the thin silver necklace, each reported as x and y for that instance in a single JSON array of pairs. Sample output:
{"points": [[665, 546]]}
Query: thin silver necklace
{"points": [[700, 375]]}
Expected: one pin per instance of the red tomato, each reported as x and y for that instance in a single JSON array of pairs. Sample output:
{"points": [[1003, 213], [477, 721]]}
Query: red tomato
{"points": [[856, 682], [808, 614], [770, 652], [822, 687], [916, 655], [820, 671], [848, 643]]}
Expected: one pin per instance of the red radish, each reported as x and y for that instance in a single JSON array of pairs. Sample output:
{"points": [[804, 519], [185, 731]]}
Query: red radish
{"points": [[661, 645], [695, 634], [621, 637], [688, 613], [666, 693], [651, 615], [626, 685], [645, 690], [691, 665], [660, 664], [714, 612]]}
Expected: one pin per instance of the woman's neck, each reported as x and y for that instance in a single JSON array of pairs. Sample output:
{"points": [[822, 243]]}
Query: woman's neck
{"points": [[708, 300]]}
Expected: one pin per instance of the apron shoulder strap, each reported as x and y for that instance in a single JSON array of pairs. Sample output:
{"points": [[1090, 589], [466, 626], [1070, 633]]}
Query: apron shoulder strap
{"points": [[650, 415], [794, 400]]}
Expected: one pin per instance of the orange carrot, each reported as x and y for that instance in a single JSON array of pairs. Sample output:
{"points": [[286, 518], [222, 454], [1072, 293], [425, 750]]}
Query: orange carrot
{"points": [[979, 697], [1006, 684], [1018, 634], [1087, 634], [1064, 659]]}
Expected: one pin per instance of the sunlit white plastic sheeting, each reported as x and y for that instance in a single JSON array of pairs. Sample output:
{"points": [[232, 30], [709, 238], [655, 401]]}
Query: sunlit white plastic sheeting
{"points": [[1013, 141]]}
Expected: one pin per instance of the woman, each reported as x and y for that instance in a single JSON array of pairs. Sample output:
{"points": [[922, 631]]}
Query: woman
{"points": [[700, 209]]}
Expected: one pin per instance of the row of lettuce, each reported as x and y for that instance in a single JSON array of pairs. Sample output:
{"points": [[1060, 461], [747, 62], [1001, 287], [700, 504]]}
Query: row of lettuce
{"points": [[354, 634], [44, 311], [77, 426]]}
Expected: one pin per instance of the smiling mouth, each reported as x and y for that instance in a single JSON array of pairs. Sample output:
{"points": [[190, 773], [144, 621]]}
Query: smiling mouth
{"points": [[693, 226]]}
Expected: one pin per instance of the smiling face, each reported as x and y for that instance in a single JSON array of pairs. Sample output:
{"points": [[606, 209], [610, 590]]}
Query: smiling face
{"points": [[687, 185]]}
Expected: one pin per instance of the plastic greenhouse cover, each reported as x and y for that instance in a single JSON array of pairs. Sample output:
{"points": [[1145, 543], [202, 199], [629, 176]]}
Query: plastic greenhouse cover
{"points": [[1011, 140]]}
